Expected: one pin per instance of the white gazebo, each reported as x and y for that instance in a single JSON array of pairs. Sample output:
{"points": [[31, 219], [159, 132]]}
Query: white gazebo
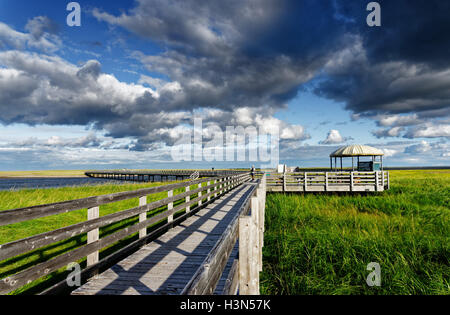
{"points": [[357, 151]]}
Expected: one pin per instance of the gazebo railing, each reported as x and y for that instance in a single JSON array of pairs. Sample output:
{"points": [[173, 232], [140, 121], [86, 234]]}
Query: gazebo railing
{"points": [[328, 181]]}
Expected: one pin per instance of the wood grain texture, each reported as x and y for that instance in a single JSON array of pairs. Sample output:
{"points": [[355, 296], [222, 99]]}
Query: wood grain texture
{"points": [[168, 264]]}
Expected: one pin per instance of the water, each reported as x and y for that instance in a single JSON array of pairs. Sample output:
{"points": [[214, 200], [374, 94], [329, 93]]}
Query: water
{"points": [[23, 183]]}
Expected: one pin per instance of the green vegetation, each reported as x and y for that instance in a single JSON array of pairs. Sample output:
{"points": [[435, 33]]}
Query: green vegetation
{"points": [[322, 244], [32, 197]]}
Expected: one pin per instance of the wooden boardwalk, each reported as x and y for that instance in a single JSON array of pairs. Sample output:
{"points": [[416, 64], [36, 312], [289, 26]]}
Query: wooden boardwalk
{"points": [[166, 265]]}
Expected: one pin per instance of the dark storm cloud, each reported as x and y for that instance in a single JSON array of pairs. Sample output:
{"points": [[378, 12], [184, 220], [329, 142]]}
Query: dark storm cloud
{"points": [[229, 54], [401, 67]]}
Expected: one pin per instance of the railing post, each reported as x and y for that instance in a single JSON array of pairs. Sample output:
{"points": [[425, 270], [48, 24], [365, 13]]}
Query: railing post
{"points": [[260, 193], [351, 182], [215, 189], [143, 216], [382, 179], [305, 184], [388, 181], [93, 236], [326, 181], [170, 206], [245, 223], [188, 198], [208, 191], [254, 243], [284, 182], [376, 181], [200, 202]]}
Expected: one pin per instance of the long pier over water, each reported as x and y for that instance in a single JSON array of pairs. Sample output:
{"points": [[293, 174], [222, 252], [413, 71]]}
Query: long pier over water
{"points": [[159, 175]]}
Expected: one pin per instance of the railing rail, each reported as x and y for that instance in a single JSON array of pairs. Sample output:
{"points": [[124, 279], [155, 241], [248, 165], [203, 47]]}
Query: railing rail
{"points": [[328, 181], [215, 187], [244, 273]]}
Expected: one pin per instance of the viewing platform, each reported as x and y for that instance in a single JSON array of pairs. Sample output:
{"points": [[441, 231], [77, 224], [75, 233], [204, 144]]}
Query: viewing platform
{"points": [[328, 182]]}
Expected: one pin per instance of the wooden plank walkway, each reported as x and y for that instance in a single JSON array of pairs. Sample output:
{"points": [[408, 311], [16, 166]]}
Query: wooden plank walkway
{"points": [[166, 265]]}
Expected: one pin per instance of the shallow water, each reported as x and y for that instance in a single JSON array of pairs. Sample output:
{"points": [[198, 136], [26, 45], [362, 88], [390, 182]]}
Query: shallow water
{"points": [[23, 183]]}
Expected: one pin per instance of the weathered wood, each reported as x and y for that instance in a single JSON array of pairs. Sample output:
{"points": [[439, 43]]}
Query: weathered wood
{"points": [[254, 248], [207, 276], [326, 181], [245, 224], [143, 216], [35, 242], [209, 190], [352, 188], [93, 236], [30, 213], [37, 271], [188, 198], [305, 182], [170, 206], [232, 282], [376, 181], [200, 194], [165, 272]]}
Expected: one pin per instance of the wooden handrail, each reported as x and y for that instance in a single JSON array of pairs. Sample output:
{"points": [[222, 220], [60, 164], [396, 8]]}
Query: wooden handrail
{"points": [[242, 226], [208, 274], [25, 245], [30, 213]]}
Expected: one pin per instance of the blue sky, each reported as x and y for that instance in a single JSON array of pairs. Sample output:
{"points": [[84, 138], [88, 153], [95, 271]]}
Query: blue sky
{"points": [[122, 89]]}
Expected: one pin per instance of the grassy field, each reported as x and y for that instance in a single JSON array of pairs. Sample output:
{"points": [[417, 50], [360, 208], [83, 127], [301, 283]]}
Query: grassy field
{"points": [[322, 244], [32, 197]]}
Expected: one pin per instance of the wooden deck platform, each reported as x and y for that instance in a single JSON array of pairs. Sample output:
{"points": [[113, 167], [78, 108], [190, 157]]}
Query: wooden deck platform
{"points": [[166, 265]]}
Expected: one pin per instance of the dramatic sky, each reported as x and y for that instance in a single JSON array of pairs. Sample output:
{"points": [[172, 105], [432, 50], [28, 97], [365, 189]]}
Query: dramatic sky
{"points": [[122, 88]]}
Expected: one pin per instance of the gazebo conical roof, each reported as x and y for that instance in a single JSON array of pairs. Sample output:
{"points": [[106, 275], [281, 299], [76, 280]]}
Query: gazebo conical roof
{"points": [[357, 150]]}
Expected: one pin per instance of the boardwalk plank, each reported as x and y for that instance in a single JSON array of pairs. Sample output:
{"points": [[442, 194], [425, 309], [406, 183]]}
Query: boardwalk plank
{"points": [[166, 265]]}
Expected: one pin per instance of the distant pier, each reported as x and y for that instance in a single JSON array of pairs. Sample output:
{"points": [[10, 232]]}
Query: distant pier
{"points": [[159, 175]]}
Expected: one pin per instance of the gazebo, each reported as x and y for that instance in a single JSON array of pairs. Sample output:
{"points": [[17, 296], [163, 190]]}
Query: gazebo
{"points": [[358, 151]]}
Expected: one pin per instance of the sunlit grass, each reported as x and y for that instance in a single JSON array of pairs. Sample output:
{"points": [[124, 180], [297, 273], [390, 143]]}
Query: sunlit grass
{"points": [[321, 244]]}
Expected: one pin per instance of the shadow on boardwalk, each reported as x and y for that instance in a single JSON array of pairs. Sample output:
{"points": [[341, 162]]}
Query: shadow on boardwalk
{"points": [[167, 264]]}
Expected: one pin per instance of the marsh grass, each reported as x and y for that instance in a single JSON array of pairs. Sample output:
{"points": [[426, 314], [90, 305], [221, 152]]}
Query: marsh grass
{"points": [[31, 197], [322, 244]]}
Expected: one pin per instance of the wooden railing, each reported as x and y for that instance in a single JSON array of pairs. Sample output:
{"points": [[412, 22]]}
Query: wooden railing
{"points": [[247, 227], [328, 181], [161, 175], [215, 187]]}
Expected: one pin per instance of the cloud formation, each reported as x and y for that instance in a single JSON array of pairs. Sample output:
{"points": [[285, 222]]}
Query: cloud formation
{"points": [[238, 63], [334, 137]]}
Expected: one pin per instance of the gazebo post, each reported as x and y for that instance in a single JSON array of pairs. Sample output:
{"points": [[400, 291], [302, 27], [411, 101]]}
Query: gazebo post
{"points": [[357, 151]]}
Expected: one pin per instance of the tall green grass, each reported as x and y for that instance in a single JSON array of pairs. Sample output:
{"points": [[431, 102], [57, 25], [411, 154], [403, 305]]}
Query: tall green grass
{"points": [[322, 244]]}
